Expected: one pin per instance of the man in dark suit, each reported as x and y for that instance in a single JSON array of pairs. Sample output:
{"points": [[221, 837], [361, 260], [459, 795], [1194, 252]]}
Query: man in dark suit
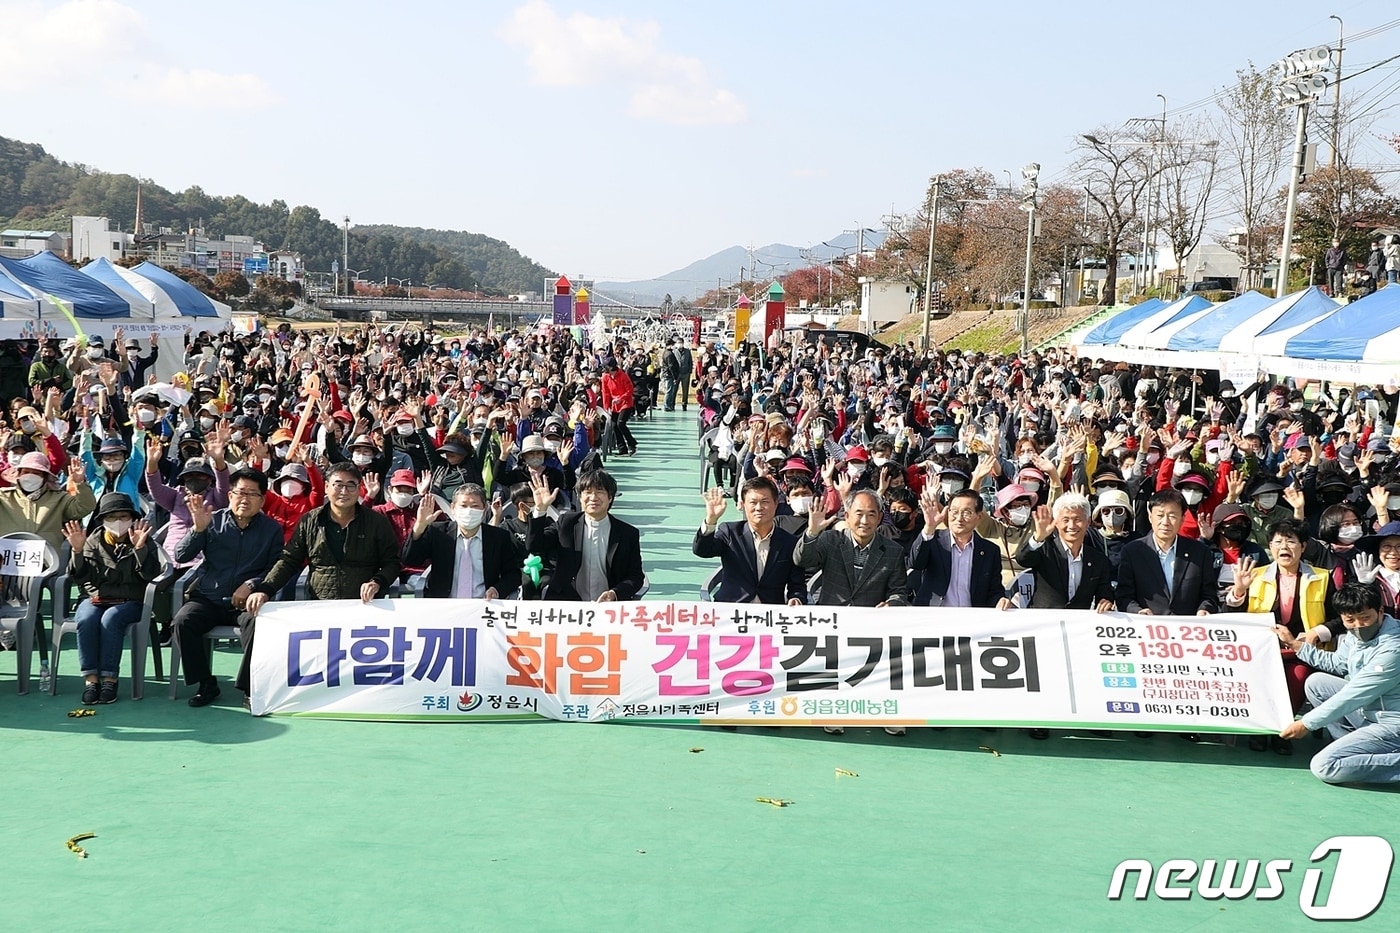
{"points": [[589, 555], [957, 567], [755, 555], [466, 558], [859, 567], [1148, 563], [1067, 574]]}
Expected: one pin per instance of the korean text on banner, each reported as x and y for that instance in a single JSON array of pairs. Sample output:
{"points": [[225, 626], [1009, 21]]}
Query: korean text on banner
{"points": [[799, 666]]}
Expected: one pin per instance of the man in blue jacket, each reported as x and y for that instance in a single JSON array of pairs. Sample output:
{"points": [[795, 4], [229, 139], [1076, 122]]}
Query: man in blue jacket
{"points": [[1354, 691]]}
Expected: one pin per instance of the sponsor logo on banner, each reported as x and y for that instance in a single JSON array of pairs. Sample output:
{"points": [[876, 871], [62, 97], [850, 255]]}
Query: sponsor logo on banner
{"points": [[758, 665]]}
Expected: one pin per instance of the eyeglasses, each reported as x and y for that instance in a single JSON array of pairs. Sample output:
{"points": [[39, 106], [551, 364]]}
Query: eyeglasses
{"points": [[1390, 548], [244, 494], [342, 487], [962, 513]]}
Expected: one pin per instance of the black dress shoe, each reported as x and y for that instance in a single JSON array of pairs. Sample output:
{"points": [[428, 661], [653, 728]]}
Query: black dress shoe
{"points": [[91, 692], [108, 693], [1280, 746], [1258, 743], [207, 694]]}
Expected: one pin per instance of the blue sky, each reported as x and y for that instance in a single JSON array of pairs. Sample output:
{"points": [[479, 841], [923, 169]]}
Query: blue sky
{"points": [[619, 140]]}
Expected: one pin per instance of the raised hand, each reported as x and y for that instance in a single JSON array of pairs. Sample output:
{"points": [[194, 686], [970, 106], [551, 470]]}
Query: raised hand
{"points": [[372, 486], [934, 511], [843, 485], [1293, 495], [1207, 526], [153, 451], [566, 450], [1365, 567], [1217, 411], [1044, 522], [140, 532], [817, 521], [1379, 497], [200, 515], [544, 496], [425, 483], [1244, 575], [75, 534], [1234, 485], [715, 504]]}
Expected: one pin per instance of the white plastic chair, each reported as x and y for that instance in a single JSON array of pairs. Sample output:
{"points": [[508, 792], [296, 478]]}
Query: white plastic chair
{"points": [[139, 631], [24, 620]]}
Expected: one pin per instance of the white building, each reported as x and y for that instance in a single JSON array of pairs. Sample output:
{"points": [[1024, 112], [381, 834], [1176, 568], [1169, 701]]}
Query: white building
{"points": [[95, 237], [287, 265], [883, 301], [20, 244]]}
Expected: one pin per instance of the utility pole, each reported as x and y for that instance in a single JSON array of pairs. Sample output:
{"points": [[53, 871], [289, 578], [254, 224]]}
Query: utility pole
{"points": [[345, 257], [928, 270], [1337, 100], [1031, 173], [1301, 82]]}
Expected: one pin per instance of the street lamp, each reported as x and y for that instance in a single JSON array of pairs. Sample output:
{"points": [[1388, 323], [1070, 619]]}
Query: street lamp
{"points": [[349, 287], [403, 283], [1031, 173], [928, 271]]}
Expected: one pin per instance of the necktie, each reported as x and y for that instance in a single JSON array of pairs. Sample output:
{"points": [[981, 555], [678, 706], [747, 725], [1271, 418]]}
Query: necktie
{"points": [[467, 576]]}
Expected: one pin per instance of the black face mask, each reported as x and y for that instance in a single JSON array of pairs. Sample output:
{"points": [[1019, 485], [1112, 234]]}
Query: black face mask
{"points": [[196, 484], [1234, 533], [902, 520]]}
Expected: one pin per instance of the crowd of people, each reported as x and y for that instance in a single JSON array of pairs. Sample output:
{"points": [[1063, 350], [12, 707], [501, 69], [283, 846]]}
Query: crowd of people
{"points": [[338, 463]]}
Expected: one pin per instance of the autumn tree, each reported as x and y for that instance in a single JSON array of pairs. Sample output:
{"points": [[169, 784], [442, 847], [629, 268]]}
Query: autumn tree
{"points": [[1113, 167], [1185, 183], [1255, 135], [231, 284]]}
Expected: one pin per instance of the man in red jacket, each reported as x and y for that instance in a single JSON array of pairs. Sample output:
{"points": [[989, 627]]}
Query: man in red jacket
{"points": [[617, 398]]}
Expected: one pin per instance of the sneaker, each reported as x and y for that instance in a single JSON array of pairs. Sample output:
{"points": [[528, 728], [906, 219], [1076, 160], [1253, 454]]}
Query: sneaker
{"points": [[895, 730], [109, 692], [90, 693], [208, 693], [7, 640], [833, 730]]}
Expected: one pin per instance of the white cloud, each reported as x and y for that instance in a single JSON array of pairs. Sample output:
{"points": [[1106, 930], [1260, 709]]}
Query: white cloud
{"points": [[583, 50], [103, 39]]}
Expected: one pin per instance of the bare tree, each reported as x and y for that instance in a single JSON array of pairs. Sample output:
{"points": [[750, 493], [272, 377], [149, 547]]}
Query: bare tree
{"points": [[1254, 136], [1187, 163], [1113, 167]]}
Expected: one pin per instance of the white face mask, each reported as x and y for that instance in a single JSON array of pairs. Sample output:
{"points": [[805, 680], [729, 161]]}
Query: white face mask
{"points": [[1349, 533], [402, 499], [1193, 496], [1030, 485], [801, 505], [291, 488], [31, 483], [405, 430], [1181, 467], [117, 526], [361, 460], [282, 450], [943, 448], [1212, 458], [951, 486], [1393, 504], [854, 470], [1227, 393], [1127, 472], [133, 355], [237, 437], [206, 424], [1295, 406], [113, 464], [1019, 516], [551, 446], [145, 415], [1026, 459], [468, 517], [94, 353], [264, 397], [1265, 503], [879, 461]]}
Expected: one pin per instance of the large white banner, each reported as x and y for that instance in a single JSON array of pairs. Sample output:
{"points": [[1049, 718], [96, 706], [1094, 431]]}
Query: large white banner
{"points": [[471, 660]]}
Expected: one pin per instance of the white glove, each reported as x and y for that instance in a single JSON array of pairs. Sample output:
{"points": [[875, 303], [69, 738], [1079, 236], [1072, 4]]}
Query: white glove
{"points": [[1365, 568]]}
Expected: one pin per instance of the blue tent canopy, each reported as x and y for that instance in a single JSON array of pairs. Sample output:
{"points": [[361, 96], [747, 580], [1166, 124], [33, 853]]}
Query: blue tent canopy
{"points": [[9, 286], [1313, 305], [1205, 334], [1348, 334], [103, 271], [1115, 327], [190, 300], [87, 297]]}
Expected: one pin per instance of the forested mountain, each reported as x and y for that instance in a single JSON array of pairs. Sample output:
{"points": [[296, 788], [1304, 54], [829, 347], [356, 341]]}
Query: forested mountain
{"points": [[38, 191]]}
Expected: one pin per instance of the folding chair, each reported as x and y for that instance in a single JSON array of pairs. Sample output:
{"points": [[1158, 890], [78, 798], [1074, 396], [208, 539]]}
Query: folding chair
{"points": [[24, 620], [139, 631]]}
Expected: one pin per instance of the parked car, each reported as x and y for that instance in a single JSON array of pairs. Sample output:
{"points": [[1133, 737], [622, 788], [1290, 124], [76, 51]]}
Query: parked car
{"points": [[1221, 288]]}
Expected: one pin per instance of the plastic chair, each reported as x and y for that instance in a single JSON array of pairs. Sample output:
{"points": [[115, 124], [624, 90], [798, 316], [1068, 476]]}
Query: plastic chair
{"points": [[217, 633], [710, 587], [24, 620], [139, 631], [646, 585]]}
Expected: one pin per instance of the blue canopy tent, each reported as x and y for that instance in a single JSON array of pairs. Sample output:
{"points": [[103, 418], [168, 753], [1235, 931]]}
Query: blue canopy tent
{"points": [[16, 300], [1115, 327], [1360, 343], [1205, 333], [79, 295], [1291, 315], [190, 300], [103, 271]]}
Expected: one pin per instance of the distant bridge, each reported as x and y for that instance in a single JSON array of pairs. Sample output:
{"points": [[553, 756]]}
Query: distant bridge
{"points": [[506, 313]]}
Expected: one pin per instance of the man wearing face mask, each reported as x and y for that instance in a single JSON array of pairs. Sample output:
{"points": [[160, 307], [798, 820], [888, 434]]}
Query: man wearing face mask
{"points": [[467, 558], [533, 462], [369, 458], [1354, 692], [1264, 508], [133, 365], [48, 370], [197, 476]]}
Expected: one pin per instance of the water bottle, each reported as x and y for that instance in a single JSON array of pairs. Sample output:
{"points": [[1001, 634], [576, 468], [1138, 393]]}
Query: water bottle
{"points": [[45, 679]]}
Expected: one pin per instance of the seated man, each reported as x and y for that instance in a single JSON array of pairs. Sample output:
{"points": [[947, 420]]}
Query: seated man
{"points": [[590, 555], [859, 567], [239, 545], [1355, 692], [756, 564], [467, 558], [955, 566]]}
